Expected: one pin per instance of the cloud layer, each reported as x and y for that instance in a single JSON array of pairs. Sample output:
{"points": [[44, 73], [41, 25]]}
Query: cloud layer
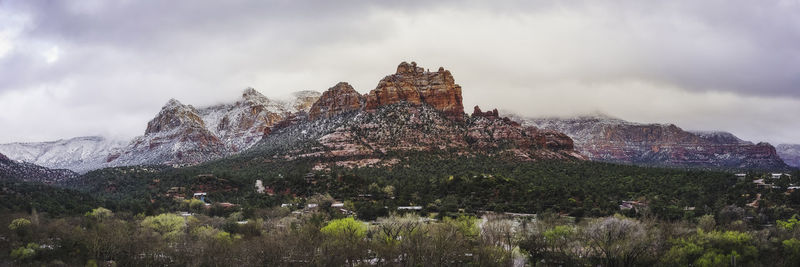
{"points": [[72, 68]]}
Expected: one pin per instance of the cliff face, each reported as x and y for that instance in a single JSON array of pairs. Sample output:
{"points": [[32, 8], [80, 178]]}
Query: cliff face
{"points": [[177, 135], [338, 99], [489, 130], [614, 140], [242, 124], [417, 86], [405, 127], [183, 135]]}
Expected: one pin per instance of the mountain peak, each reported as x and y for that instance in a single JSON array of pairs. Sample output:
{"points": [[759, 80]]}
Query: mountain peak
{"points": [[172, 104], [250, 94], [338, 99], [408, 68], [174, 114], [416, 86]]}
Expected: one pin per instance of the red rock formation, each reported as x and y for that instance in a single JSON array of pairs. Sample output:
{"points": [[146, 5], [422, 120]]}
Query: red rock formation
{"points": [[477, 112], [414, 85], [614, 140], [552, 140], [489, 130], [338, 99], [174, 115]]}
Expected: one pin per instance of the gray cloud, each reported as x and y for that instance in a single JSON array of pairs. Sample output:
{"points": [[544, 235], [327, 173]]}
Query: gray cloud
{"points": [[706, 64]]}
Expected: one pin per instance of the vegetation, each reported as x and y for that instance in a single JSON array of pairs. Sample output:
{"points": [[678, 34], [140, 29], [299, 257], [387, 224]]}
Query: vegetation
{"points": [[475, 210], [313, 237]]}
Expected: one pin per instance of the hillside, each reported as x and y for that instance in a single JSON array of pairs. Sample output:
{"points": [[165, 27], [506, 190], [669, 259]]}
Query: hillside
{"points": [[11, 170], [614, 140], [79, 154]]}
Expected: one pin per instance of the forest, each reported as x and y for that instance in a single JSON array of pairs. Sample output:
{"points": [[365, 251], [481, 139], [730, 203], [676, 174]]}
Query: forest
{"points": [[421, 210]]}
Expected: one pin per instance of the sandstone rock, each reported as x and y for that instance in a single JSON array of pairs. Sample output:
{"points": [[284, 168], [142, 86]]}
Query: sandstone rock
{"points": [[489, 130], [338, 99], [177, 135], [614, 140], [489, 114], [243, 123], [173, 115], [414, 85]]}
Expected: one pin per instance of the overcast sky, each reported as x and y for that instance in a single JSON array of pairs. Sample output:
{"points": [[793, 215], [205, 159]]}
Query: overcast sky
{"points": [[90, 67]]}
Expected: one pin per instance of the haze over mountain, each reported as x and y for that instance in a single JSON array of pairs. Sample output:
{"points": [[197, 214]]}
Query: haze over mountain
{"points": [[81, 68]]}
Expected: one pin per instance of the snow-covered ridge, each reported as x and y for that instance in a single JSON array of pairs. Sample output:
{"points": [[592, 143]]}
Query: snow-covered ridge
{"points": [[178, 134], [181, 134], [80, 154]]}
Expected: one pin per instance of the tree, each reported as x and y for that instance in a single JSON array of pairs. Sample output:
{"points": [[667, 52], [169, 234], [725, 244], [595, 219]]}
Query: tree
{"points": [[619, 241], [170, 226], [709, 248], [22, 227], [391, 235], [498, 240], [24, 253], [344, 241], [99, 214]]}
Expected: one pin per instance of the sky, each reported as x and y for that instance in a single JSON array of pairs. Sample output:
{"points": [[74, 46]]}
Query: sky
{"points": [[91, 67]]}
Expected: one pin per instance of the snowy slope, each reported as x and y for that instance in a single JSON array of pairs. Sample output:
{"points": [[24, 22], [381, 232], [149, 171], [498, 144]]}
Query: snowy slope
{"points": [[790, 153], [80, 154], [183, 135], [609, 139], [179, 134]]}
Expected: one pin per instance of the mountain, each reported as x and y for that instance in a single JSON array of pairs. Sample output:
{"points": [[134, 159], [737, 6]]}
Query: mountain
{"points": [[415, 85], [80, 154], [410, 111], [790, 153], [182, 134], [338, 99], [177, 135], [21, 171], [609, 139]]}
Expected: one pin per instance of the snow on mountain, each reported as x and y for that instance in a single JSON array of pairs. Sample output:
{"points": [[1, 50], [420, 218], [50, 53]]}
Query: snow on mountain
{"points": [[241, 124], [79, 154], [177, 135], [790, 153], [181, 134], [605, 138], [720, 137]]}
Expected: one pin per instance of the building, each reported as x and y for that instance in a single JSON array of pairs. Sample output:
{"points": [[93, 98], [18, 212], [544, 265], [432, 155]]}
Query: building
{"points": [[200, 195], [779, 175]]}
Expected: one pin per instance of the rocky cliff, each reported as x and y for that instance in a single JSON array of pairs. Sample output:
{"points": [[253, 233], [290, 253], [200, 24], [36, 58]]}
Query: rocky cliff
{"points": [[372, 136], [177, 135], [790, 153], [410, 111], [181, 134], [415, 85], [338, 99], [614, 140], [241, 124]]}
